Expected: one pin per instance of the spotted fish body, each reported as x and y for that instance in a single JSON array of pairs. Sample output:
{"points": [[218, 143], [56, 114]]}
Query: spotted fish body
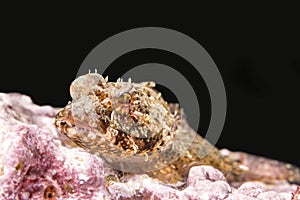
{"points": [[135, 130]]}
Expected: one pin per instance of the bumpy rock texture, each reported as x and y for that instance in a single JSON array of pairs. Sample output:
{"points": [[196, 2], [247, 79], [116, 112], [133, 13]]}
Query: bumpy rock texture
{"points": [[38, 163]]}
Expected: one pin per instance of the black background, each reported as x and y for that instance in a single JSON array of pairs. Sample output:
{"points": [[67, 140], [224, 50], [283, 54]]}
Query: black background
{"points": [[255, 49]]}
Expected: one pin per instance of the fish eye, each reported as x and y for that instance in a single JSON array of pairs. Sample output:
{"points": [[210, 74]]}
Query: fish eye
{"points": [[124, 98]]}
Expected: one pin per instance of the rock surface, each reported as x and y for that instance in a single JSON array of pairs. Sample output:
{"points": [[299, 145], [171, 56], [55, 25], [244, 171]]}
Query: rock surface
{"points": [[36, 162]]}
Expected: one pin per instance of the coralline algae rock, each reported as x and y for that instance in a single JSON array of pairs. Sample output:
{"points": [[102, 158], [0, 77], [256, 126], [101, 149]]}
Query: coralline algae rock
{"points": [[33, 162], [38, 163]]}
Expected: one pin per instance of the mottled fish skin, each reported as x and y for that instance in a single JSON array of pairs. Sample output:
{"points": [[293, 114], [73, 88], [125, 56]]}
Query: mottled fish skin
{"points": [[120, 120]]}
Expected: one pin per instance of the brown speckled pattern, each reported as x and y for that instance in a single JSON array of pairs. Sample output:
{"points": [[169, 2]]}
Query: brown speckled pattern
{"points": [[127, 119]]}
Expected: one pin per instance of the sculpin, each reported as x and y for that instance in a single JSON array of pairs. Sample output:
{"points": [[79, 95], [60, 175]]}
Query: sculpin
{"points": [[135, 130]]}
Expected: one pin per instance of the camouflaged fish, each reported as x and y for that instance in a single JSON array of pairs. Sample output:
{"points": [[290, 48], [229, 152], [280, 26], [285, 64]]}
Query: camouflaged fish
{"points": [[135, 130]]}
